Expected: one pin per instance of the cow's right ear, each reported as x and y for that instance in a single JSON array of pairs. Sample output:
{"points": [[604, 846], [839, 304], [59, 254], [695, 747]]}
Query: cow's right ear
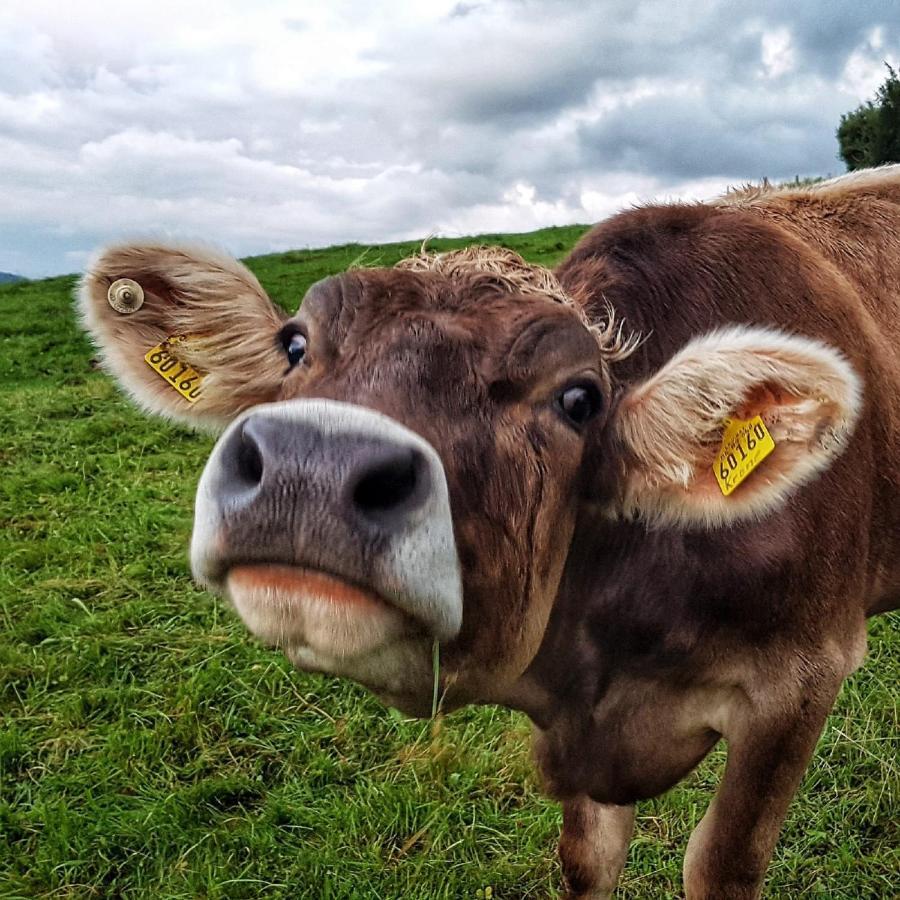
{"points": [[187, 331]]}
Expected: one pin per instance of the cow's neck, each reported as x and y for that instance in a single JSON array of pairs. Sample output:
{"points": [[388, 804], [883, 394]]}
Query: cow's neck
{"points": [[634, 600]]}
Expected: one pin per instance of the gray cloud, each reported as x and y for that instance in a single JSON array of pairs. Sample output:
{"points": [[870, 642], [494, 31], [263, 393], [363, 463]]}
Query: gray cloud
{"points": [[306, 125], [825, 33], [719, 131]]}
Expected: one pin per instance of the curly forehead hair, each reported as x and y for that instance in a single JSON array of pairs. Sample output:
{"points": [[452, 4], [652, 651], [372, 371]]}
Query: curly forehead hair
{"points": [[505, 270]]}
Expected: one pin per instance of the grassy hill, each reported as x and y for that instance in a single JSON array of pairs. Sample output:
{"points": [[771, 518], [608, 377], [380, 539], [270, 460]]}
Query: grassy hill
{"points": [[148, 748]]}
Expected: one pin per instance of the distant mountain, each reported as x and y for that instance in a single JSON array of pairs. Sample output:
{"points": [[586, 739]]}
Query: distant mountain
{"points": [[9, 278]]}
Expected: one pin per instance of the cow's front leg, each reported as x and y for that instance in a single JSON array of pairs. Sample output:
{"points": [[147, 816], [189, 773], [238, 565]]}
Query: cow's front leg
{"points": [[730, 849], [593, 846]]}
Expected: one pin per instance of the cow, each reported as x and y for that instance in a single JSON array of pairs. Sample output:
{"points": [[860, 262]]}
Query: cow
{"points": [[649, 498]]}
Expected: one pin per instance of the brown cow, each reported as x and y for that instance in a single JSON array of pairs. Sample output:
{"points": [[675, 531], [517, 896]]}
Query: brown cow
{"points": [[467, 450]]}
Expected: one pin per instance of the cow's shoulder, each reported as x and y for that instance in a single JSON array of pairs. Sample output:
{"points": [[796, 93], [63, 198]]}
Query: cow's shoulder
{"points": [[821, 263]]}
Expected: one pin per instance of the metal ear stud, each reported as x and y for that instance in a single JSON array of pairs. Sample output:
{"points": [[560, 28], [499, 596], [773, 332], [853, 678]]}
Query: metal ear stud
{"points": [[125, 296]]}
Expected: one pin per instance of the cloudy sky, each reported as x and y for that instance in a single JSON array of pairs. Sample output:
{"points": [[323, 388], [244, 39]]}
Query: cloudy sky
{"points": [[287, 123]]}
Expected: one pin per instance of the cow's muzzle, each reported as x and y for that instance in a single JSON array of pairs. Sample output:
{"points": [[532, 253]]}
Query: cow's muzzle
{"points": [[328, 525]]}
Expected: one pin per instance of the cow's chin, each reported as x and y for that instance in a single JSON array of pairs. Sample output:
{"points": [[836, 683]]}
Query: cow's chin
{"points": [[326, 624]]}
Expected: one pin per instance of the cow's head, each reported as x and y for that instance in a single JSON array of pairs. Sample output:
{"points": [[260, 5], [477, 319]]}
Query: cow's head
{"points": [[403, 461]]}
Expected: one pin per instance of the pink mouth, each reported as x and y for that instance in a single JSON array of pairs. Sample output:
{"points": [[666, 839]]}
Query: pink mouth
{"points": [[291, 607]]}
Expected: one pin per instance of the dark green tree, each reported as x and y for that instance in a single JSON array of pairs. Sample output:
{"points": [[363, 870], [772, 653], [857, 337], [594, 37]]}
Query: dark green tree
{"points": [[870, 134]]}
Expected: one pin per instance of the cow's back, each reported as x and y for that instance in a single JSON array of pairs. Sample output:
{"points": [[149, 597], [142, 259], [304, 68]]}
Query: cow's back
{"points": [[854, 223]]}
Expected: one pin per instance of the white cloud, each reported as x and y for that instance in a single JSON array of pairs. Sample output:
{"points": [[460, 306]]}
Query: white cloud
{"points": [[288, 123], [778, 57], [864, 69]]}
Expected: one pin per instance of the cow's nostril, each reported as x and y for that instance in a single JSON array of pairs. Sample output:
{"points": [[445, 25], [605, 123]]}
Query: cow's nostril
{"points": [[389, 485], [249, 459]]}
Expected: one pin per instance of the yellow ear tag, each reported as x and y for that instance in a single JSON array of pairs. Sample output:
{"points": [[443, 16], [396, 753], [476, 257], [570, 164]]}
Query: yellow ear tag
{"points": [[177, 374], [745, 444]]}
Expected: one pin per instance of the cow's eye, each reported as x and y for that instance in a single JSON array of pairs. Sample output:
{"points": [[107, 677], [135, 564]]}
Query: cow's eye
{"points": [[294, 347], [579, 402]]}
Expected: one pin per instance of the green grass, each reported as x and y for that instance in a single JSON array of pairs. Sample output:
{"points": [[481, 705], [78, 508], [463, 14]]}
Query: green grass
{"points": [[148, 748]]}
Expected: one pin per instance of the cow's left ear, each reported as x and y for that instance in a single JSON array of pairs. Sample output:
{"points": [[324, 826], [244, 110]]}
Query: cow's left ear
{"points": [[669, 429]]}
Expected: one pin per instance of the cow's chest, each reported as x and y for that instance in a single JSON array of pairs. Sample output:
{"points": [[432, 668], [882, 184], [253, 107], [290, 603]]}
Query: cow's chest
{"points": [[639, 741]]}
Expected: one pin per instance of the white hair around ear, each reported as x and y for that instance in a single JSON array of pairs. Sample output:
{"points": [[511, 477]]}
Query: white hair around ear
{"points": [[670, 427], [202, 312]]}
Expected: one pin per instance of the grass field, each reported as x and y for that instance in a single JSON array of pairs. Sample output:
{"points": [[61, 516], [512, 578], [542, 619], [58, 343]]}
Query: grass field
{"points": [[148, 748]]}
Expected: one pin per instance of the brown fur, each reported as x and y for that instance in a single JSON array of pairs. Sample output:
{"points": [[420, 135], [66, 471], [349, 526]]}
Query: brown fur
{"points": [[609, 591], [484, 266]]}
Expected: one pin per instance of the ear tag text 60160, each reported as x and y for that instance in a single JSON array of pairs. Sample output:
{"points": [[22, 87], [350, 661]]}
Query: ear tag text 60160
{"points": [[745, 444], [178, 375]]}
